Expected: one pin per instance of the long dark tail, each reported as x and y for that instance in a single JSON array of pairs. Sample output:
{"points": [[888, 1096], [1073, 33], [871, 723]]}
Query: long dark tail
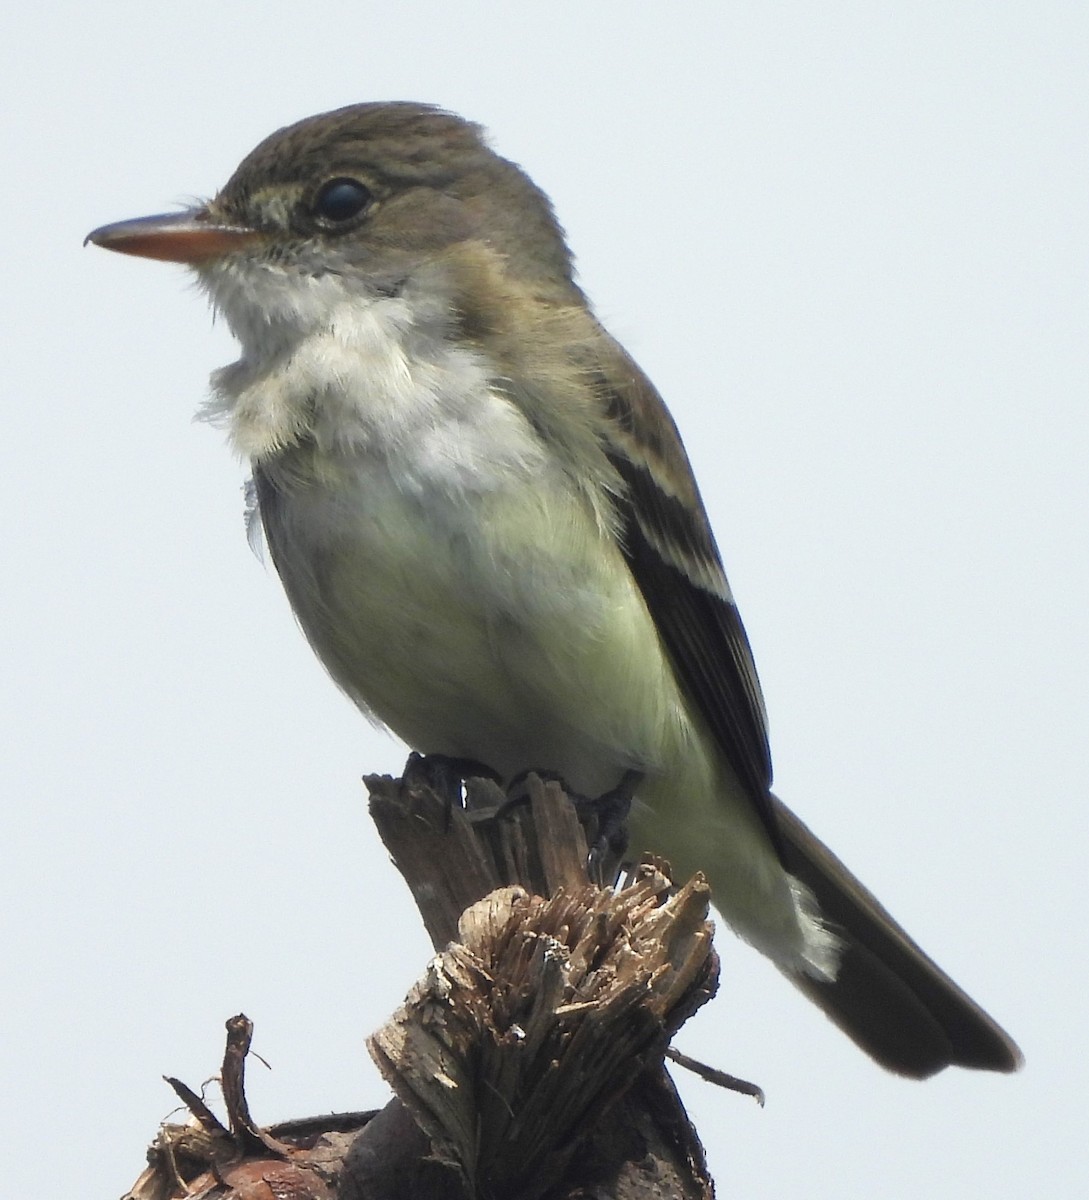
{"points": [[889, 997]]}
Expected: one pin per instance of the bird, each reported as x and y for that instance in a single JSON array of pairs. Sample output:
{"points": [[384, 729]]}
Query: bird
{"points": [[489, 531]]}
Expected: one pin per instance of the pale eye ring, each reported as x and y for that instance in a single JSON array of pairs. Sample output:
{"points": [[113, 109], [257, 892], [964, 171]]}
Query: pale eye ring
{"points": [[341, 199]]}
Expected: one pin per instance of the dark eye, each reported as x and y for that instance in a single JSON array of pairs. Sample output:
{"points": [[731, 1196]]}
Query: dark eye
{"points": [[340, 200]]}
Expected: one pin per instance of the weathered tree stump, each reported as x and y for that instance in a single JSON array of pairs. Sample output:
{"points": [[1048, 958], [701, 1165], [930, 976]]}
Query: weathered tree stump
{"points": [[526, 1062]]}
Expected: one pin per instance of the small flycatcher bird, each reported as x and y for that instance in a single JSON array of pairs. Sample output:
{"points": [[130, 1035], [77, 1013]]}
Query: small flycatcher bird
{"points": [[489, 531]]}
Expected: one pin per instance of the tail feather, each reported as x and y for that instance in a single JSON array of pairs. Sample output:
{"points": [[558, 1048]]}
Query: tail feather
{"points": [[888, 996]]}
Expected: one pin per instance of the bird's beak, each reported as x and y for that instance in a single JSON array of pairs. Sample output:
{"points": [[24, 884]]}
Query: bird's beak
{"points": [[191, 237]]}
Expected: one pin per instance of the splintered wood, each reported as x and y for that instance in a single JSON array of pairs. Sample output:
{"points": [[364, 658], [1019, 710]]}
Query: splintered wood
{"points": [[522, 1033], [206, 1159], [526, 1061], [545, 1005]]}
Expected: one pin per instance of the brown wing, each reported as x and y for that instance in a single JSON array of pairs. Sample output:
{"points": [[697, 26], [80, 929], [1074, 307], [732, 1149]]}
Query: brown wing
{"points": [[888, 996], [671, 550]]}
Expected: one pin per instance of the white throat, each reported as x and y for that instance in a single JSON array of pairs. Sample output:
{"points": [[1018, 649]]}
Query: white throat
{"points": [[361, 374]]}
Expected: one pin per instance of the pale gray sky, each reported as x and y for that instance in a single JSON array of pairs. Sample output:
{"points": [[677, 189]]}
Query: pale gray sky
{"points": [[849, 243]]}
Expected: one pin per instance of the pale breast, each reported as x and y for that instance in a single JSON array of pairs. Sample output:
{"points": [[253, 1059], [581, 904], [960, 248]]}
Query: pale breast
{"points": [[496, 624]]}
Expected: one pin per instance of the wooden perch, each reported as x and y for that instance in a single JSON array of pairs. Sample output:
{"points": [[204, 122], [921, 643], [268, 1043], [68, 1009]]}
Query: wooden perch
{"points": [[526, 1061], [206, 1160], [553, 1000]]}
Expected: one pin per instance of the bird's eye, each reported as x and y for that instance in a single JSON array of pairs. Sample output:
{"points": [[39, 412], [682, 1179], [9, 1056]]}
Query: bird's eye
{"points": [[340, 200]]}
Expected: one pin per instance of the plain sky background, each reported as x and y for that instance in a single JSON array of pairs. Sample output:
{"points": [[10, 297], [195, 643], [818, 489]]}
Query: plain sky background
{"points": [[849, 243]]}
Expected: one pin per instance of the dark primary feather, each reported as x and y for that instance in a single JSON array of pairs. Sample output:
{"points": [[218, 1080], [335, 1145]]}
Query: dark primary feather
{"points": [[669, 546], [889, 995]]}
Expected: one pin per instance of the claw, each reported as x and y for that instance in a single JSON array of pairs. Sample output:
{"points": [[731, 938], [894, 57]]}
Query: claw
{"points": [[611, 809], [445, 774]]}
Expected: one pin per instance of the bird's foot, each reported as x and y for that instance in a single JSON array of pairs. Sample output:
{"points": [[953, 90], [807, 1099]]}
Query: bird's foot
{"points": [[606, 815], [611, 809], [446, 774]]}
